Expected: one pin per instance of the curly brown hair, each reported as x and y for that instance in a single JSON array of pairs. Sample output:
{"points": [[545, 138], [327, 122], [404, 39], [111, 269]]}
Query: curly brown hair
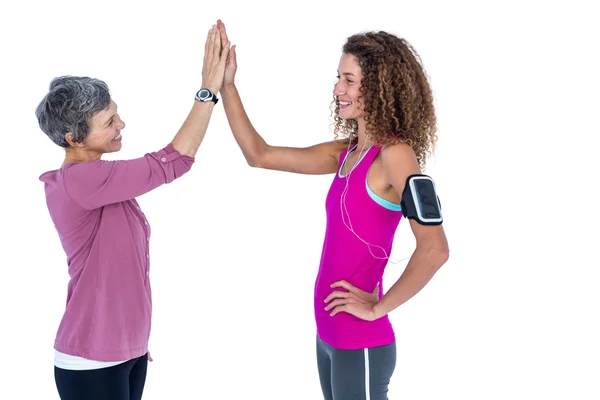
{"points": [[396, 96]]}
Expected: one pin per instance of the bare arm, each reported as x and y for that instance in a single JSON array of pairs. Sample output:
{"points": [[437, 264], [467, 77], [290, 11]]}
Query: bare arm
{"points": [[190, 135], [322, 158], [431, 252], [399, 162], [318, 159], [97, 183]]}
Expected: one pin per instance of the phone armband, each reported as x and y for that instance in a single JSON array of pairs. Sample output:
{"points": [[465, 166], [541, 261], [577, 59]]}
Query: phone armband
{"points": [[420, 200]]}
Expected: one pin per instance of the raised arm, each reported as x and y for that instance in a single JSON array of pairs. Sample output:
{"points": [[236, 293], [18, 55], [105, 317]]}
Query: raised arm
{"points": [[318, 159], [94, 184], [190, 135]]}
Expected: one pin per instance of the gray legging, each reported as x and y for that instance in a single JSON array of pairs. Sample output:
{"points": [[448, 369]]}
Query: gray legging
{"points": [[355, 374]]}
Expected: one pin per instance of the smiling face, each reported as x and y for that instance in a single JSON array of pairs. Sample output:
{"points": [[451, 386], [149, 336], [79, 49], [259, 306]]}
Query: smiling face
{"points": [[347, 89], [104, 133]]}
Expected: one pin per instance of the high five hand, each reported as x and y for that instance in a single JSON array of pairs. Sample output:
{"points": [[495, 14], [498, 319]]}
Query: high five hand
{"points": [[231, 66], [215, 58]]}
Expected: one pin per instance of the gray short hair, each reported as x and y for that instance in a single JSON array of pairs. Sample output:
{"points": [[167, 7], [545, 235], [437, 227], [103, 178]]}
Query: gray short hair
{"points": [[69, 105]]}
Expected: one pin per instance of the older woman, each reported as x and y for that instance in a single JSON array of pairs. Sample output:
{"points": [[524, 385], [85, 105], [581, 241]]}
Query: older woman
{"points": [[101, 348]]}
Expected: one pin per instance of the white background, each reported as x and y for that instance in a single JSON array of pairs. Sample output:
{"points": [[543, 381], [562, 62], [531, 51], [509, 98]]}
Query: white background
{"points": [[235, 250]]}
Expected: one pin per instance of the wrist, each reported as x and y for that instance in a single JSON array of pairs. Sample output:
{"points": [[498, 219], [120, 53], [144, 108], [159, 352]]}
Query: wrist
{"points": [[207, 95], [212, 88], [228, 88], [377, 311]]}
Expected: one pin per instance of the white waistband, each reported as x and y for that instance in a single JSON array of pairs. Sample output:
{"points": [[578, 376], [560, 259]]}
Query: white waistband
{"points": [[74, 363]]}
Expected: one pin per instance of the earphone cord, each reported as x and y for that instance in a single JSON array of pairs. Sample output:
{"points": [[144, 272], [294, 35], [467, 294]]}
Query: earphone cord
{"points": [[345, 213]]}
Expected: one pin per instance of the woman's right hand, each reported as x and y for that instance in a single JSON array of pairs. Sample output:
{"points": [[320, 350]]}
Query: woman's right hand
{"points": [[231, 66], [215, 58]]}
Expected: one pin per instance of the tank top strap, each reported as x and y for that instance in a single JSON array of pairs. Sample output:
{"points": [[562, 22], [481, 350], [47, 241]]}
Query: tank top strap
{"points": [[367, 160], [371, 154], [344, 154]]}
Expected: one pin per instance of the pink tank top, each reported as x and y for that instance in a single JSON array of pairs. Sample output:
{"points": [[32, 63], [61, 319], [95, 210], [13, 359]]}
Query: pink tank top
{"points": [[346, 257]]}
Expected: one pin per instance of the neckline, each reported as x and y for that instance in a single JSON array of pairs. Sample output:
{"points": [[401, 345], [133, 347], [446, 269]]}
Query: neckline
{"points": [[357, 163]]}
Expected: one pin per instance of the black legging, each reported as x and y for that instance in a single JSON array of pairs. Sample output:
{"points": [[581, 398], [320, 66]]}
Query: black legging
{"points": [[121, 382], [355, 374]]}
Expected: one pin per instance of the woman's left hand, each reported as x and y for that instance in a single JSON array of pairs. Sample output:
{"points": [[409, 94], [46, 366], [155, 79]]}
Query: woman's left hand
{"points": [[355, 301]]}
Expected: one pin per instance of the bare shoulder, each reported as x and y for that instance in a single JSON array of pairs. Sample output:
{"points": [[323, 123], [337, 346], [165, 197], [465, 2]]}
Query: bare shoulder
{"points": [[399, 162], [399, 155]]}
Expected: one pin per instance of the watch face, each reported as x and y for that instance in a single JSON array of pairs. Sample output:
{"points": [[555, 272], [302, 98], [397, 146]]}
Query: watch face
{"points": [[206, 95]]}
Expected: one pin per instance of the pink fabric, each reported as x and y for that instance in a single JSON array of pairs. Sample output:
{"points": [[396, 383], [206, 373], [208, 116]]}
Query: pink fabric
{"points": [[345, 257], [106, 239]]}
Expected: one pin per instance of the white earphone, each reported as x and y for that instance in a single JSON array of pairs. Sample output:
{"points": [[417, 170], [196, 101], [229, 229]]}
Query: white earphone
{"points": [[344, 210]]}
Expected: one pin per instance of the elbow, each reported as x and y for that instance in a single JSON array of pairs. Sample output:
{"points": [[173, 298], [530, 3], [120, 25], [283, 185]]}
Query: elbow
{"points": [[442, 256], [438, 249], [256, 158], [440, 253], [254, 162], [437, 254]]}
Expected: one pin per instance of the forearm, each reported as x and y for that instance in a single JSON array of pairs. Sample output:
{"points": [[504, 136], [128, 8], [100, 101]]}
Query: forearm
{"points": [[250, 142], [97, 183], [190, 135], [423, 264]]}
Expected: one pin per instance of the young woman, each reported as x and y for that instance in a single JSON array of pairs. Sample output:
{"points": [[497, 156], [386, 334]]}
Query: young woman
{"points": [[385, 127]]}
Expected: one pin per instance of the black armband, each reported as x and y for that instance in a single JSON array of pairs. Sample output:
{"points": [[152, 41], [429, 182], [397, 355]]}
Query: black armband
{"points": [[420, 201]]}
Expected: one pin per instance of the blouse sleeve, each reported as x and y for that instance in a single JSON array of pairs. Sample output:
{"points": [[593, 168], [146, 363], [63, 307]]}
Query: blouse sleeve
{"points": [[94, 184]]}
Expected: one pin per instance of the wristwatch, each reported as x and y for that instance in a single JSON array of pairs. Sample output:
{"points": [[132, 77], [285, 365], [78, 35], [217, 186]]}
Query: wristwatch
{"points": [[205, 94]]}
